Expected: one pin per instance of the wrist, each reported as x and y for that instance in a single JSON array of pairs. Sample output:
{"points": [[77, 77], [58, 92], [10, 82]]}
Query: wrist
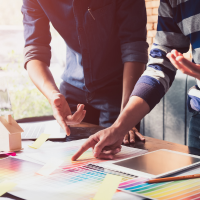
{"points": [[52, 95], [119, 129]]}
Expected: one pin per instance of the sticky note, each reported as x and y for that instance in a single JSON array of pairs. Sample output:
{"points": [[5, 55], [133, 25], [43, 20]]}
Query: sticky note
{"points": [[41, 139], [6, 186], [108, 187], [49, 167]]}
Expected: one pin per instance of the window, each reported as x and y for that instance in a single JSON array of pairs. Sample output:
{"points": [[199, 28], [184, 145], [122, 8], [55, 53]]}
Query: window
{"points": [[26, 99]]}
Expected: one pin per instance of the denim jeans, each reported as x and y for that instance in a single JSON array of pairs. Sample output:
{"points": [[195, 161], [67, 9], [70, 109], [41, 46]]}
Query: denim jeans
{"points": [[102, 106], [194, 131]]}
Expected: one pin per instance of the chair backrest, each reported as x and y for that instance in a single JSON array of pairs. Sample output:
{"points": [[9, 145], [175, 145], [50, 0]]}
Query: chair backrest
{"points": [[169, 120]]}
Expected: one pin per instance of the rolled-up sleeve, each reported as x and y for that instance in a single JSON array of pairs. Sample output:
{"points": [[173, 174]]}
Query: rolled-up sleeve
{"points": [[160, 73], [36, 33], [131, 16]]}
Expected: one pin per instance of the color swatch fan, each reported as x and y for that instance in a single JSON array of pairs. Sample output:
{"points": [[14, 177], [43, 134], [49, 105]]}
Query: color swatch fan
{"points": [[78, 183], [174, 190]]}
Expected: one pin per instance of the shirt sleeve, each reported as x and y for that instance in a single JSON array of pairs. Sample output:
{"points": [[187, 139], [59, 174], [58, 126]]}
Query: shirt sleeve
{"points": [[36, 33], [160, 73], [131, 17]]}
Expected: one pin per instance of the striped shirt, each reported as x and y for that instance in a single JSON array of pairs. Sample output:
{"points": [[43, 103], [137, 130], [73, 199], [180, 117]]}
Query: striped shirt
{"points": [[178, 27]]}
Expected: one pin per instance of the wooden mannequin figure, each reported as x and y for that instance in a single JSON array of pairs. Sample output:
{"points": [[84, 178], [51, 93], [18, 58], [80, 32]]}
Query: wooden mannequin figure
{"points": [[10, 134]]}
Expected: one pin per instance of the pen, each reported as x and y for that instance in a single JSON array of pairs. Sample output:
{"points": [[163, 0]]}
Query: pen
{"points": [[158, 180]]}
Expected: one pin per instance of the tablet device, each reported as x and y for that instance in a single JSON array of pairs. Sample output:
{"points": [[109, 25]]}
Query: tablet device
{"points": [[155, 164]]}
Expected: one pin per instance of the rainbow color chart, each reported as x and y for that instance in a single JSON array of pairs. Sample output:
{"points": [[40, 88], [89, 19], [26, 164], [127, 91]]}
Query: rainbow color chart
{"points": [[78, 183], [15, 169], [77, 180], [174, 190]]}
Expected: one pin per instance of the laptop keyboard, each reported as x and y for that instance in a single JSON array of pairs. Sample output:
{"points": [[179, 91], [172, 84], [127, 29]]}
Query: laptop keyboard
{"points": [[32, 130]]}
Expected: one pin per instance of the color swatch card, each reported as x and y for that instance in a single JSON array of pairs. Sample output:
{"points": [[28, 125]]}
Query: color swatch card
{"points": [[13, 169], [175, 190], [78, 181], [74, 184]]}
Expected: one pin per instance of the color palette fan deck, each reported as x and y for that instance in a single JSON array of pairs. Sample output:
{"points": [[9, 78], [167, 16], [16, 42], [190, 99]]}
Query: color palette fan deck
{"points": [[74, 183], [174, 190]]}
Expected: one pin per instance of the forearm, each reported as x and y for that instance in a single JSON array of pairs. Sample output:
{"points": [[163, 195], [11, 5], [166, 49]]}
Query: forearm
{"points": [[132, 72], [134, 111], [42, 78]]}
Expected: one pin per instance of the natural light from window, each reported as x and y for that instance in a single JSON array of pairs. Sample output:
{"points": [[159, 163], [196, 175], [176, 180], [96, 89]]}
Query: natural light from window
{"points": [[25, 98]]}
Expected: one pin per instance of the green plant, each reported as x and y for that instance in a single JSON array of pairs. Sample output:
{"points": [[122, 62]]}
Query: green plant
{"points": [[26, 99]]}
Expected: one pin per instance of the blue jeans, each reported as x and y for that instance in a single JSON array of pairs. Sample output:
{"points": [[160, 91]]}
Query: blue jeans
{"points": [[102, 106], [194, 131]]}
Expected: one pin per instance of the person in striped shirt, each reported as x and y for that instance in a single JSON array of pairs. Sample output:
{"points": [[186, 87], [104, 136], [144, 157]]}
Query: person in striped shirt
{"points": [[178, 27]]}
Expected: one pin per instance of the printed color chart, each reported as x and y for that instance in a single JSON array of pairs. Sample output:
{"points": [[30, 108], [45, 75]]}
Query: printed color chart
{"points": [[73, 181], [74, 184], [175, 190], [15, 169]]}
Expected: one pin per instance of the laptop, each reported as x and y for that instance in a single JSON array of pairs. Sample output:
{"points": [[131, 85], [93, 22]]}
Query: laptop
{"points": [[32, 130]]}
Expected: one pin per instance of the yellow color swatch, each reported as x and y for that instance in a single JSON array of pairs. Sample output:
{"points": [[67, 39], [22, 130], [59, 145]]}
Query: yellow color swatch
{"points": [[108, 187], [6, 186], [38, 143], [49, 167]]}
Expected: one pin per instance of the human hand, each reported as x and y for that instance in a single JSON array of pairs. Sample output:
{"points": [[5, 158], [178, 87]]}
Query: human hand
{"points": [[131, 136], [184, 65], [105, 144], [62, 112]]}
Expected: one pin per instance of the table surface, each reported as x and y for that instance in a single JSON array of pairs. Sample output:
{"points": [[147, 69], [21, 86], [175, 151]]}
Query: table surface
{"points": [[84, 130]]}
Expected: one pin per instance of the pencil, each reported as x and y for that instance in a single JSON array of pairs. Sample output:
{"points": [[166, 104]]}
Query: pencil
{"points": [[158, 180]]}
